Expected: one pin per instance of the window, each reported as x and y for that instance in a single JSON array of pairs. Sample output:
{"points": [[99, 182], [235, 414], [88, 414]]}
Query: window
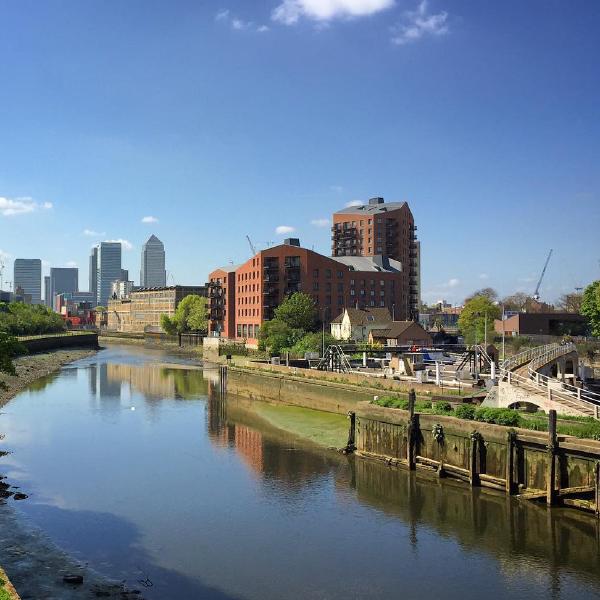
{"points": [[372, 303], [239, 331], [340, 274], [244, 331], [362, 292], [352, 282], [328, 286], [382, 303], [340, 288], [352, 293], [315, 272], [316, 286], [328, 273], [382, 283], [340, 301]]}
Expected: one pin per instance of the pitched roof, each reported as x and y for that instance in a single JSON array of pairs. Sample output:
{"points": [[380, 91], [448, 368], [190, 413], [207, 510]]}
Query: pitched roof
{"points": [[396, 329], [367, 316]]}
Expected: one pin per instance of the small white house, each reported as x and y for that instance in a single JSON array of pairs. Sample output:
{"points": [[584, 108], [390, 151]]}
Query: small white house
{"points": [[356, 324]]}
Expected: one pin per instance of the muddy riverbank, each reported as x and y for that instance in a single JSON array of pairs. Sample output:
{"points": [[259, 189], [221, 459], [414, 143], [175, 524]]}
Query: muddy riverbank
{"points": [[34, 366]]}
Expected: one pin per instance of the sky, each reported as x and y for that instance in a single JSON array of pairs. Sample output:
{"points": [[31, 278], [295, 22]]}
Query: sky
{"points": [[204, 122]]}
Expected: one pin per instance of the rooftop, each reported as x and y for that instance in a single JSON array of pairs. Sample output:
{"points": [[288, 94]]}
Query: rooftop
{"points": [[374, 206], [379, 264]]}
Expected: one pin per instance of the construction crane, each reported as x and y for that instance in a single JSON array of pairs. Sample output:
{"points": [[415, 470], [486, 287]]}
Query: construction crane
{"points": [[536, 295], [1, 272], [252, 248]]}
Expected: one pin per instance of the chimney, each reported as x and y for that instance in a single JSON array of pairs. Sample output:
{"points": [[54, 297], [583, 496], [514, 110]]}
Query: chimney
{"points": [[292, 242], [375, 201]]}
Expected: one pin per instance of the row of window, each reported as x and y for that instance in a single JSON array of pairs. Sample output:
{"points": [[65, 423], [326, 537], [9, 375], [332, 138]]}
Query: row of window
{"points": [[248, 331]]}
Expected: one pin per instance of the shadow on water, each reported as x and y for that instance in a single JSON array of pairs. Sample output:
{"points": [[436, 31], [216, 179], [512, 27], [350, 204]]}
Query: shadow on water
{"points": [[106, 541]]}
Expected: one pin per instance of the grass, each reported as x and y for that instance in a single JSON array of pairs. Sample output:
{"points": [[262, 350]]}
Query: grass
{"points": [[4, 595], [579, 427]]}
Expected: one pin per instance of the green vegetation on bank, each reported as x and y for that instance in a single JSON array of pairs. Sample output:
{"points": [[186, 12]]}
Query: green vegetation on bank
{"points": [[294, 328], [590, 306], [17, 318], [580, 427]]}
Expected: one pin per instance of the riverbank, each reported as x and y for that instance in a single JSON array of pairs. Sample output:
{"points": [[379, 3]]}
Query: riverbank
{"points": [[33, 366], [7, 591]]}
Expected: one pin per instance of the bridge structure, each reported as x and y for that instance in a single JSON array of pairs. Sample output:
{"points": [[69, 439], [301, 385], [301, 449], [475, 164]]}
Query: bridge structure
{"points": [[545, 377]]}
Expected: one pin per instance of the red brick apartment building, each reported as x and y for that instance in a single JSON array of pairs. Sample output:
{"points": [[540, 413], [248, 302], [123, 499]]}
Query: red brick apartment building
{"points": [[243, 297]]}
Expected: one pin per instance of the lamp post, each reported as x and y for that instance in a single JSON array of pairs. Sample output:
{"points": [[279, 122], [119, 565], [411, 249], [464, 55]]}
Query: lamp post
{"points": [[323, 335]]}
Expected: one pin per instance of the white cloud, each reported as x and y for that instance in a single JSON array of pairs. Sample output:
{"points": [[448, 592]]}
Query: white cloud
{"points": [[284, 229], [19, 206], [149, 219], [354, 203], [92, 233], [238, 24], [338, 189], [71, 264], [320, 222], [127, 245], [419, 23], [484, 276], [290, 12]]}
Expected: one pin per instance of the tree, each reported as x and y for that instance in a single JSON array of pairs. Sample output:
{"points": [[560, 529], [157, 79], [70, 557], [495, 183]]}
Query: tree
{"points": [[9, 348], [276, 336], [313, 342], [490, 293], [571, 302], [590, 306], [191, 315], [478, 312], [517, 302], [298, 312]]}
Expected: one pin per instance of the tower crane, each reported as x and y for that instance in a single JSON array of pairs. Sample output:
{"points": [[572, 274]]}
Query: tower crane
{"points": [[536, 295], [252, 248]]}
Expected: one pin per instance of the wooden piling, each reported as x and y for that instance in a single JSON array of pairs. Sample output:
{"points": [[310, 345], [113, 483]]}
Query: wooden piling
{"points": [[551, 472], [411, 431], [597, 488], [351, 445], [510, 458], [473, 475]]}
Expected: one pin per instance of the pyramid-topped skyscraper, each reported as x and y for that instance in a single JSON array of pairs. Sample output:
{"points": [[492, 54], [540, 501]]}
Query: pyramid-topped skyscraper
{"points": [[152, 272]]}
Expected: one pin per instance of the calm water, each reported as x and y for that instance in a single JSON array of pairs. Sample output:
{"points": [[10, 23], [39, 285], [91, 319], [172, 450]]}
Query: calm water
{"points": [[140, 469]]}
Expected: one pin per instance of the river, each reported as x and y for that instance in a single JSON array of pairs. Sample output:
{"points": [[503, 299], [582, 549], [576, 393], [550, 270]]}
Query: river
{"points": [[136, 466]]}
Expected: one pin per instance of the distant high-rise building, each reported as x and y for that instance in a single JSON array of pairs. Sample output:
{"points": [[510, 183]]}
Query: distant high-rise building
{"points": [[47, 293], [28, 276], [93, 285], [152, 273], [124, 275], [62, 280], [108, 269]]}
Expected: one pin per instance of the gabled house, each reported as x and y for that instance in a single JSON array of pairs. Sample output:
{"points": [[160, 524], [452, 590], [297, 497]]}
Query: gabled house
{"points": [[355, 324], [401, 333]]}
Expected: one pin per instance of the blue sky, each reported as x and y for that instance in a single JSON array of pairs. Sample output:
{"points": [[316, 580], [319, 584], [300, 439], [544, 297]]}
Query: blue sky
{"points": [[221, 119]]}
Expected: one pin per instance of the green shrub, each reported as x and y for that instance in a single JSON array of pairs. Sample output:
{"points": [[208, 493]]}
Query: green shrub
{"points": [[498, 416], [442, 408], [465, 411], [422, 405]]}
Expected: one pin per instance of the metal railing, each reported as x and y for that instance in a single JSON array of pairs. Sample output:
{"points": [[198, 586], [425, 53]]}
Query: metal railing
{"points": [[25, 338], [569, 395]]}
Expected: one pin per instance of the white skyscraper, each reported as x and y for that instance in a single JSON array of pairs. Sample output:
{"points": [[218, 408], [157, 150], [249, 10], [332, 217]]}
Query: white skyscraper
{"points": [[152, 272]]}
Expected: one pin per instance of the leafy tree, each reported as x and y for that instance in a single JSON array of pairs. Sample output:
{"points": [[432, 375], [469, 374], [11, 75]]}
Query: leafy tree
{"points": [[17, 318], [298, 312], [490, 293], [312, 342], [277, 336], [476, 313], [191, 315], [9, 348], [590, 306]]}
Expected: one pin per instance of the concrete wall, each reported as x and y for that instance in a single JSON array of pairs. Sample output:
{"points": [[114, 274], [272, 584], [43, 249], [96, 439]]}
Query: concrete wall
{"points": [[43, 344]]}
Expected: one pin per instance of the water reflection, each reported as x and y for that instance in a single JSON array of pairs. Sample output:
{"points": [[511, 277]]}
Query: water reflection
{"points": [[211, 499]]}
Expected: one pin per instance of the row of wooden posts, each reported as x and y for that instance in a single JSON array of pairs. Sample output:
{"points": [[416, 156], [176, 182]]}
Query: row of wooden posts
{"points": [[475, 478]]}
